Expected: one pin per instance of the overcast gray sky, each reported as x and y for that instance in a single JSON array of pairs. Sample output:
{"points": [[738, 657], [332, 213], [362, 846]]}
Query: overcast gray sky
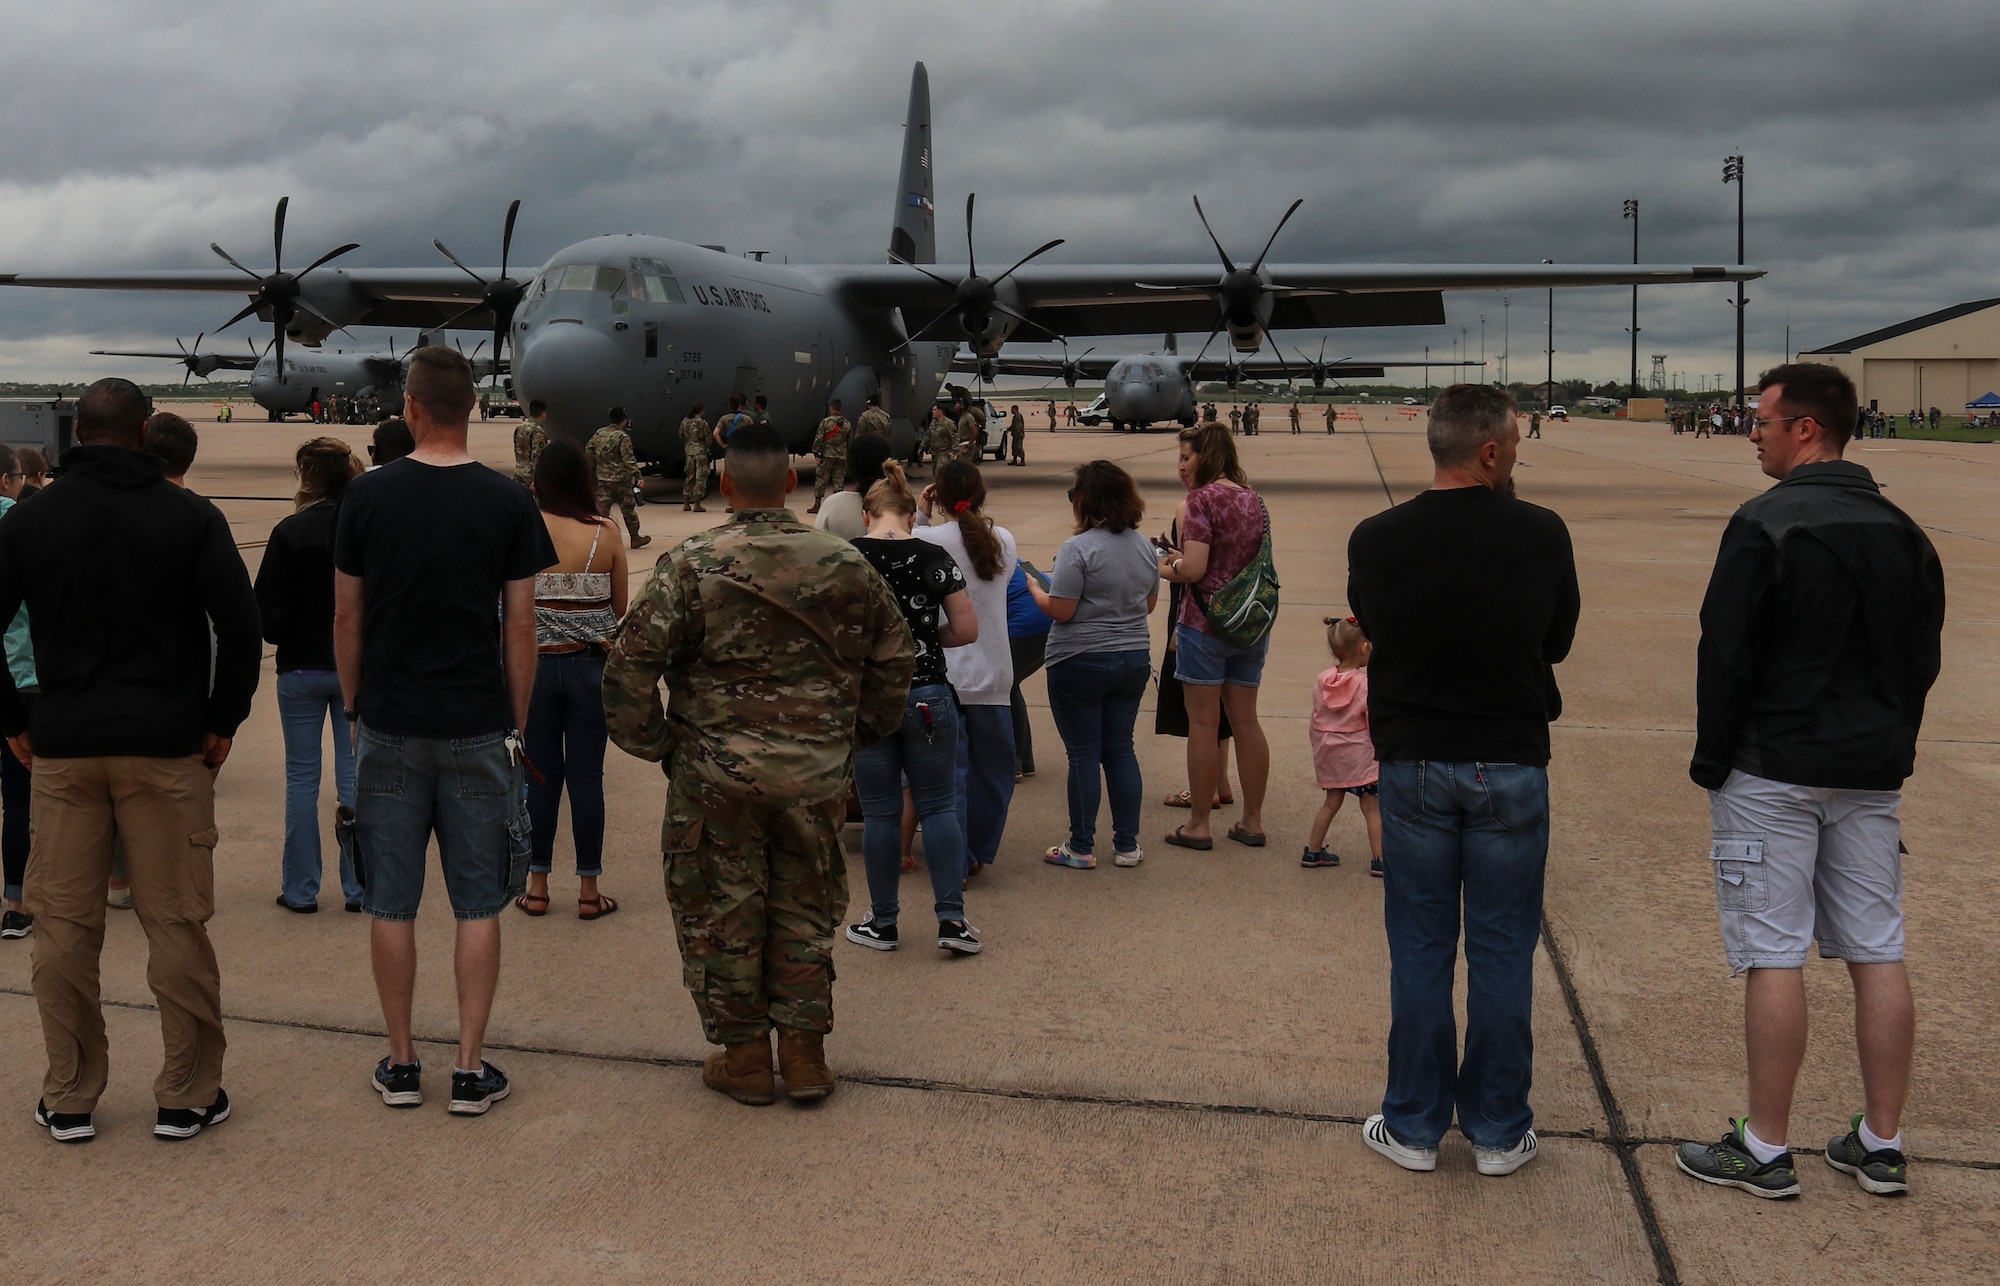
{"points": [[132, 134]]}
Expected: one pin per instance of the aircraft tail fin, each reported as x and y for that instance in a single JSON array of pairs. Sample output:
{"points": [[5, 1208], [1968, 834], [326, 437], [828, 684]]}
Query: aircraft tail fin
{"points": [[914, 235], [1172, 347]]}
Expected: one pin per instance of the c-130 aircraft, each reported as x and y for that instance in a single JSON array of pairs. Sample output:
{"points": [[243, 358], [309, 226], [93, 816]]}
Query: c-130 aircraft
{"points": [[654, 324]]}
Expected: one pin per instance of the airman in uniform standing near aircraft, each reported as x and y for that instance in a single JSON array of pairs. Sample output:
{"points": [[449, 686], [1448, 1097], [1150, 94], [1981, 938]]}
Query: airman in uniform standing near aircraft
{"points": [[1295, 417], [940, 438], [530, 436], [1331, 416], [1018, 429], [1235, 420], [694, 456], [1250, 414], [830, 448], [874, 419], [971, 426], [617, 469]]}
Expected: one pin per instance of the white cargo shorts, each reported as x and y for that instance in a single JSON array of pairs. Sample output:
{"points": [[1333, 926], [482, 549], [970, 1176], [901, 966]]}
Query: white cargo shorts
{"points": [[1795, 863]]}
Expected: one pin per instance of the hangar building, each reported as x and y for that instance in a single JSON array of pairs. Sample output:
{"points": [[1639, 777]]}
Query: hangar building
{"points": [[1943, 359]]}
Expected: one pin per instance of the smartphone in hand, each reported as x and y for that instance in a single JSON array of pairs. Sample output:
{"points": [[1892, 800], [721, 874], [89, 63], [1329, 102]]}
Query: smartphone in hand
{"points": [[1035, 572]]}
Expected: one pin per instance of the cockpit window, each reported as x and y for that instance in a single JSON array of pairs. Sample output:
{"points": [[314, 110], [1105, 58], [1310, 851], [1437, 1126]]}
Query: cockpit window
{"points": [[587, 276], [654, 281]]}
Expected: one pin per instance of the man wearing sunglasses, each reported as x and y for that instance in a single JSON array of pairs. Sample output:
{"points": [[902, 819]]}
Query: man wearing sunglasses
{"points": [[1819, 642]]}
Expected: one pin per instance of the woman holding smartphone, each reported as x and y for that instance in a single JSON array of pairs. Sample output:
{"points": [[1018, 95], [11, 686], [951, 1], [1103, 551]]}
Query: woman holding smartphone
{"points": [[1104, 584]]}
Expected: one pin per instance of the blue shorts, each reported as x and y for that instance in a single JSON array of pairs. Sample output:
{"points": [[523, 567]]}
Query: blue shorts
{"points": [[1206, 661], [462, 790], [1370, 791]]}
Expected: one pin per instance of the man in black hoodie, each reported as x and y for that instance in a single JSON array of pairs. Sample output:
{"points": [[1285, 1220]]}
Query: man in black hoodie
{"points": [[1819, 643], [122, 573]]}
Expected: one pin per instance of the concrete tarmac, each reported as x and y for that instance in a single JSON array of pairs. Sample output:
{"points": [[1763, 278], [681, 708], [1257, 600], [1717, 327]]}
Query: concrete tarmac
{"points": [[1149, 1074]]}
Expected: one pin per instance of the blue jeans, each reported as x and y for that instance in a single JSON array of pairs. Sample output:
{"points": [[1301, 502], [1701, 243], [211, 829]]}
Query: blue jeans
{"points": [[1474, 836], [306, 704], [461, 789], [1095, 701], [566, 736], [927, 758], [986, 768]]}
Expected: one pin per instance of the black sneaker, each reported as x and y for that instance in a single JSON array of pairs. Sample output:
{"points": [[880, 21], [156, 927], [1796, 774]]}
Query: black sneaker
{"points": [[873, 933], [1885, 1173], [958, 937], [1319, 857], [399, 1084], [16, 924], [65, 1127], [1375, 867], [308, 908], [1730, 1164], [473, 1092], [186, 1122]]}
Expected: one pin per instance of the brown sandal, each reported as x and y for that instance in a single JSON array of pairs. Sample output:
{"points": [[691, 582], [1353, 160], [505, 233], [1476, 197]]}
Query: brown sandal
{"points": [[595, 908], [526, 898], [1180, 799]]}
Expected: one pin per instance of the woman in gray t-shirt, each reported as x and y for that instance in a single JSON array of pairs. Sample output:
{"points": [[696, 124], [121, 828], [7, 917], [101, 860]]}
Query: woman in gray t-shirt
{"points": [[1103, 588]]}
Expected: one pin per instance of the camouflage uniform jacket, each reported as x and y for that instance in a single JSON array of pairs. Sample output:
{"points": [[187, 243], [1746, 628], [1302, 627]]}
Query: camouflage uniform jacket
{"points": [[969, 426], [611, 448], [529, 439], [875, 420], [833, 438], [783, 652], [941, 440], [694, 437]]}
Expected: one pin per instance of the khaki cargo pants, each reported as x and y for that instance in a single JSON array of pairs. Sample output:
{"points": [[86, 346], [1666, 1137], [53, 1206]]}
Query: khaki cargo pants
{"points": [[163, 812]]}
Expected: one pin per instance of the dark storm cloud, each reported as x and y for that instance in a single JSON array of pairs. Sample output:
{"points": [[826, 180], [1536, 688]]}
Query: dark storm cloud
{"points": [[133, 134]]}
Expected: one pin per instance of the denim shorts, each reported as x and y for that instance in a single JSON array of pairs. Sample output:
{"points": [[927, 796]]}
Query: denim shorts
{"points": [[1206, 661], [1799, 863], [462, 790]]}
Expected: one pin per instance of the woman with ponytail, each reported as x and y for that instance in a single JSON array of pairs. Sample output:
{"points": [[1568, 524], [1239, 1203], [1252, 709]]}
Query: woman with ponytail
{"points": [[295, 598], [982, 673], [932, 593]]}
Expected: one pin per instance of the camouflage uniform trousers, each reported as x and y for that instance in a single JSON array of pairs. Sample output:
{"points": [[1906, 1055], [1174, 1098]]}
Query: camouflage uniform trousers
{"points": [[617, 493], [942, 445], [831, 475], [694, 478], [757, 891]]}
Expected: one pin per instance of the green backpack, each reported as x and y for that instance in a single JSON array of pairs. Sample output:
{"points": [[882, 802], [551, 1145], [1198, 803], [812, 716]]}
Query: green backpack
{"points": [[1242, 612]]}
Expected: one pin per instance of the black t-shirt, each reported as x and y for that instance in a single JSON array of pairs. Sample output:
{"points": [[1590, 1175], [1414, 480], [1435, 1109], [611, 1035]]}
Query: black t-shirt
{"points": [[1470, 599], [921, 576], [433, 545]]}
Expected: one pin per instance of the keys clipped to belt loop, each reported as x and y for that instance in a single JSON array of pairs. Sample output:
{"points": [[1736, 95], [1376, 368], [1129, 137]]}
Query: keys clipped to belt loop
{"points": [[930, 728], [517, 757]]}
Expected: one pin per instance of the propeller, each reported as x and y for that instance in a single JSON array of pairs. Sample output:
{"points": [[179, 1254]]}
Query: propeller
{"points": [[1239, 293], [1071, 369], [278, 290], [1316, 367], [502, 296], [191, 358], [975, 298]]}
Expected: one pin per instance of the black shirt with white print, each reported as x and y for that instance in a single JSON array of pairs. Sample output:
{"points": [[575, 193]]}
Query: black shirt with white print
{"points": [[922, 576]]}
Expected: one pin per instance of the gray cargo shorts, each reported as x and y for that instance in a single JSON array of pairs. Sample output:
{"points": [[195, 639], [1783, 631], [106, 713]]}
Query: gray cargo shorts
{"points": [[1795, 863]]}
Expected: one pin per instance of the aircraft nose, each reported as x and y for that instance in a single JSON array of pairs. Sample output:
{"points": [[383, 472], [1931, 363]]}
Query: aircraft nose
{"points": [[574, 369]]}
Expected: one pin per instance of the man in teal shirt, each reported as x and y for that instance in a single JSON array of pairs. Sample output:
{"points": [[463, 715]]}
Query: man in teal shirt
{"points": [[14, 779]]}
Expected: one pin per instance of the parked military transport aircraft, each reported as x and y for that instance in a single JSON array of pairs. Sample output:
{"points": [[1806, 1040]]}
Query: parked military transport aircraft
{"points": [[314, 375], [654, 324], [1142, 389]]}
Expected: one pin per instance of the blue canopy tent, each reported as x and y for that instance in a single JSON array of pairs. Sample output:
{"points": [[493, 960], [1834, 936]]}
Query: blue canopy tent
{"points": [[1991, 402]]}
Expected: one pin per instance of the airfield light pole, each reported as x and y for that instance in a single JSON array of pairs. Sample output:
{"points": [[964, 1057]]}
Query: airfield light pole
{"points": [[1483, 375], [1506, 336], [1549, 388], [1632, 213], [1732, 172]]}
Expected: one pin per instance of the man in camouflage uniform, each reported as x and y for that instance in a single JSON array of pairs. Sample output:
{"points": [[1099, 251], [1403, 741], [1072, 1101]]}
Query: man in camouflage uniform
{"points": [[617, 468], [1018, 428], [1295, 418], [760, 412], [530, 436], [1235, 419], [694, 459], [1052, 415], [970, 426], [940, 439], [1332, 413], [783, 652], [874, 419], [1250, 419], [830, 448]]}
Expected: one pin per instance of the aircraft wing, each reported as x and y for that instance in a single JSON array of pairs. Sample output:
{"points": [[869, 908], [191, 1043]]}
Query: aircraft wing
{"points": [[420, 298], [1115, 299], [214, 361]]}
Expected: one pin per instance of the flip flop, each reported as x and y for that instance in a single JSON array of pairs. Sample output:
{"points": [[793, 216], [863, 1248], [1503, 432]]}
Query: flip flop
{"points": [[604, 904], [1180, 840], [526, 898], [1248, 838]]}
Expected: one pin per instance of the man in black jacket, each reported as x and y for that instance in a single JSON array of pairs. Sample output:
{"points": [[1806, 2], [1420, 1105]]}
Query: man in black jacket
{"points": [[122, 573], [1470, 599], [1819, 643]]}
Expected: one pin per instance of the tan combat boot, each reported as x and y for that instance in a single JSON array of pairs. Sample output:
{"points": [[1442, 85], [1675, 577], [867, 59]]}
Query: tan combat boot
{"points": [[700, 508], [743, 1072], [802, 1062]]}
